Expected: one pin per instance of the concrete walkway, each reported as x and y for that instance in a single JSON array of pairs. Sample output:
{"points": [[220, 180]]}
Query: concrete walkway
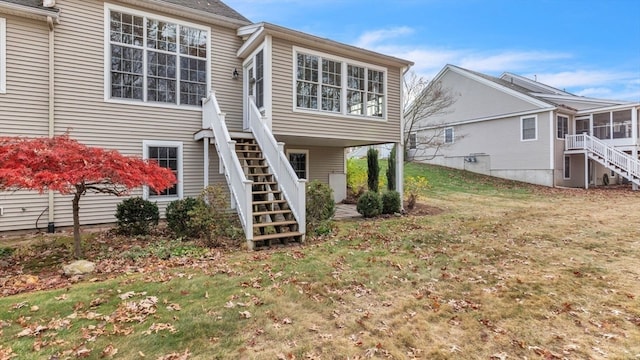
{"points": [[346, 211]]}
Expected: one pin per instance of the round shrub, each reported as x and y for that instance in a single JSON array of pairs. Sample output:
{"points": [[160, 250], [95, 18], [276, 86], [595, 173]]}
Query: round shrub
{"points": [[320, 206], [136, 216], [178, 217], [390, 202], [369, 204]]}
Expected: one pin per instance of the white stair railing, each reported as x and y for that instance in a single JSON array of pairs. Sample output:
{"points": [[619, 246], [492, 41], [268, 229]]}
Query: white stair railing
{"points": [[609, 156], [240, 186], [292, 187]]}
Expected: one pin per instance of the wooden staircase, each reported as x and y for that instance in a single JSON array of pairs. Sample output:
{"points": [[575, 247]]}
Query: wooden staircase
{"points": [[273, 220]]}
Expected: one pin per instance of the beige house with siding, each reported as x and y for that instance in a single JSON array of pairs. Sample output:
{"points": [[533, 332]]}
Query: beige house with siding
{"points": [[202, 90], [517, 128]]}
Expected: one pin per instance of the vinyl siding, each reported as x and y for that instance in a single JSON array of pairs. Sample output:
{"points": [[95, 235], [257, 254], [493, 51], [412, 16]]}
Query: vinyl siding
{"points": [[82, 110], [24, 110], [323, 161], [288, 122]]}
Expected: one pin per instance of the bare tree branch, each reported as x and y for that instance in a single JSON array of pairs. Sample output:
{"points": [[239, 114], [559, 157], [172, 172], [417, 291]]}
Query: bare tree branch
{"points": [[423, 100]]}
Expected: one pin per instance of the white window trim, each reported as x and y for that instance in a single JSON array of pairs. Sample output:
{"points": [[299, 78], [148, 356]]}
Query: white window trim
{"points": [[413, 140], [3, 56], [145, 155], [564, 167], [558, 124], [453, 134], [306, 153], [343, 86], [107, 56], [535, 118]]}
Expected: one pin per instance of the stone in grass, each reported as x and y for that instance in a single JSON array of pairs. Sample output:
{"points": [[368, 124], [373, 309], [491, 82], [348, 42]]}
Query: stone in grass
{"points": [[79, 267]]}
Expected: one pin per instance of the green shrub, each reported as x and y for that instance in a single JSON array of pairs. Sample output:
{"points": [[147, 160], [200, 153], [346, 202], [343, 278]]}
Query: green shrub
{"points": [[178, 217], [136, 216], [391, 169], [320, 206], [391, 202], [373, 169], [211, 218], [414, 187], [369, 204]]}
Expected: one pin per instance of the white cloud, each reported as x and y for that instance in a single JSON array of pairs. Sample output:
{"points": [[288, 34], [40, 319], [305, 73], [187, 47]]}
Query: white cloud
{"points": [[372, 38]]}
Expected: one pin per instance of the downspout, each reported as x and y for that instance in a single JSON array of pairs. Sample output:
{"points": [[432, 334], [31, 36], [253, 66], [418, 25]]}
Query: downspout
{"points": [[51, 224]]}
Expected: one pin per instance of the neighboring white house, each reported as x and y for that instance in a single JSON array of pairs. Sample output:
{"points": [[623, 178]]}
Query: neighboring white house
{"points": [[517, 128], [280, 106]]}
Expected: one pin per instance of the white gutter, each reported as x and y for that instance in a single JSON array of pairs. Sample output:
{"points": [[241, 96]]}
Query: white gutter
{"points": [[30, 12]]}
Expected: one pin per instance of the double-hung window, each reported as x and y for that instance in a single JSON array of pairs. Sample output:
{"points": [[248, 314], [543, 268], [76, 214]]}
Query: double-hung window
{"points": [[562, 126], [3, 55], [156, 60], [448, 135], [339, 86], [299, 160], [168, 154], [528, 128], [260, 79]]}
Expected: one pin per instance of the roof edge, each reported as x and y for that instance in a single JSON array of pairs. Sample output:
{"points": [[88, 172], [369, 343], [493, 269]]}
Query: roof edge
{"points": [[30, 12]]}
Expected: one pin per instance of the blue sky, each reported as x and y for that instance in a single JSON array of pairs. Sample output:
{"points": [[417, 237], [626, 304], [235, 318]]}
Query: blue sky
{"points": [[587, 47]]}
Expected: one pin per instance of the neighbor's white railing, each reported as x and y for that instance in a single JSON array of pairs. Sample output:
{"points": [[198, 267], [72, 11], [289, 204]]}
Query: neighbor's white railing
{"points": [[240, 186], [610, 156], [292, 187]]}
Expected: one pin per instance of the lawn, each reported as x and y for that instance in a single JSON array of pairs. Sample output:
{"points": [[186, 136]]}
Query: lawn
{"points": [[503, 271]]}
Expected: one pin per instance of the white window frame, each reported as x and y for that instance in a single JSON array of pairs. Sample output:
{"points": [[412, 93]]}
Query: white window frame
{"points": [[145, 155], [343, 88], [3, 56], [558, 125], [535, 119], [107, 58], [566, 169], [452, 135], [413, 140], [306, 153]]}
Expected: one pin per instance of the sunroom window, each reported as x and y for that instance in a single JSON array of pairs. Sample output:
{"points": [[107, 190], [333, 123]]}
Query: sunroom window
{"points": [[338, 86], [156, 61]]}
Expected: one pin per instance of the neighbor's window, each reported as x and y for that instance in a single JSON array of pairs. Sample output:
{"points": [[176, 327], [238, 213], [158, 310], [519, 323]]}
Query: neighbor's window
{"points": [[528, 128], [156, 61], [3, 55], [339, 86], [602, 125], [448, 135], [299, 160], [413, 140], [562, 126], [582, 126], [168, 155], [567, 167]]}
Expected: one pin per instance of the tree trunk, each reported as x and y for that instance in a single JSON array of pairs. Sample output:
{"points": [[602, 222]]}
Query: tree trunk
{"points": [[77, 242]]}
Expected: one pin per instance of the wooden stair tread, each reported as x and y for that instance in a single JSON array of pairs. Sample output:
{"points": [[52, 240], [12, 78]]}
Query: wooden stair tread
{"points": [[264, 192], [266, 202], [275, 223], [276, 236], [271, 212]]}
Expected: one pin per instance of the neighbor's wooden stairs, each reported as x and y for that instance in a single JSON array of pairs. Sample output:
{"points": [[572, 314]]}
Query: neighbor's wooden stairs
{"points": [[273, 221]]}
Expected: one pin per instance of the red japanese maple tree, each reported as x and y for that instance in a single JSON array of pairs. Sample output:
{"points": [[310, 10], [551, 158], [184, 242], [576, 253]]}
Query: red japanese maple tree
{"points": [[64, 165]]}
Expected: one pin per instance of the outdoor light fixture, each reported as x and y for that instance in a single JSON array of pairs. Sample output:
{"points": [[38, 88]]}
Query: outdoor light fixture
{"points": [[235, 73]]}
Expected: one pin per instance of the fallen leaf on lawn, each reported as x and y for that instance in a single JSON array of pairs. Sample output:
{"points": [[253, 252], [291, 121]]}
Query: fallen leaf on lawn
{"points": [[176, 356], [155, 327], [109, 351], [206, 294], [245, 314], [229, 305], [83, 352], [127, 295], [6, 353], [61, 297], [20, 305], [141, 354], [35, 308], [174, 307], [287, 321]]}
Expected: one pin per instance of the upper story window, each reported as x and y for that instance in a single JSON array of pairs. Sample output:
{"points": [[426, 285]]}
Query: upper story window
{"points": [[562, 126], [528, 128], [582, 126], [448, 135], [156, 60], [260, 79], [339, 85], [3, 55]]}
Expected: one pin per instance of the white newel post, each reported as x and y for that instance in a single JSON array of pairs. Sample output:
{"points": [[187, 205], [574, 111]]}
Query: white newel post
{"points": [[206, 162]]}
